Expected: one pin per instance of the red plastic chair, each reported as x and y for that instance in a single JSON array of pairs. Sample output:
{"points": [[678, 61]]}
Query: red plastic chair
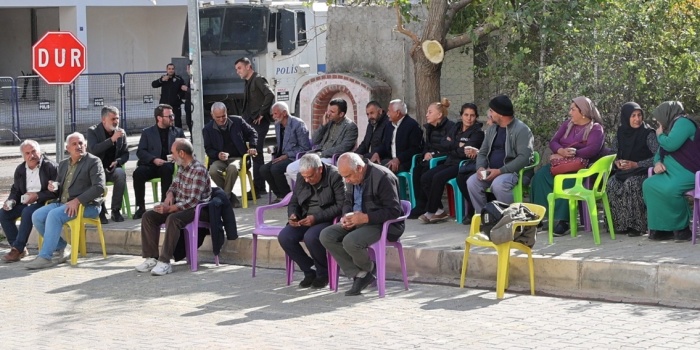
{"points": [[377, 252]]}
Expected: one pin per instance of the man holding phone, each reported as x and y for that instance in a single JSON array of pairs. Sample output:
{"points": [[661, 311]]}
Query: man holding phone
{"points": [[107, 141]]}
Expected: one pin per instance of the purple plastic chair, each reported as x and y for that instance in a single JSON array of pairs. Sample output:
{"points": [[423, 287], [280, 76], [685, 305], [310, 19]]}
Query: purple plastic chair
{"points": [[191, 235], [695, 194], [377, 252]]}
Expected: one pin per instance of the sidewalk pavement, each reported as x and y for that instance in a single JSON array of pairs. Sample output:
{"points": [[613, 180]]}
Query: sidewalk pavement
{"points": [[626, 269], [105, 304]]}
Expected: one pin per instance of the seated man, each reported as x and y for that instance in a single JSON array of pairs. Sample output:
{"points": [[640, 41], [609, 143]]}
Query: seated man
{"points": [[81, 180], [371, 198], [374, 136], [108, 142], [507, 148], [402, 140], [29, 192], [225, 140], [317, 200], [292, 138], [191, 187], [337, 134], [153, 152]]}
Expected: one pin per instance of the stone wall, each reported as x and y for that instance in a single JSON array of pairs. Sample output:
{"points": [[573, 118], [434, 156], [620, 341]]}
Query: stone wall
{"points": [[362, 40]]}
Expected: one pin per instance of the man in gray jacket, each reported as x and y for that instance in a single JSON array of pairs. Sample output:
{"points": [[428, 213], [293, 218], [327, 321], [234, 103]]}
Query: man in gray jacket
{"points": [[81, 180], [507, 148], [371, 198], [337, 134]]}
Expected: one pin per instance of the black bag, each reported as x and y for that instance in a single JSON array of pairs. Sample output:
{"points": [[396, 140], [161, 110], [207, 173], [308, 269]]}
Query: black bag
{"points": [[491, 213]]}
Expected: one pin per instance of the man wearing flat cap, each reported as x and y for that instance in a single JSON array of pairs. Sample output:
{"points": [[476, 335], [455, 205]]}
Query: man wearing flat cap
{"points": [[507, 148]]}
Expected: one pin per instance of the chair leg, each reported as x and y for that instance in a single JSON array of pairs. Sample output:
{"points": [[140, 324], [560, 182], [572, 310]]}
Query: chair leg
{"points": [[451, 201], [216, 260], [252, 187], [154, 186], [74, 242], [127, 204], [503, 251], [191, 245], [83, 240], [531, 267], [289, 268], [465, 264], [244, 188], [696, 218], [608, 216], [100, 233], [550, 211], [255, 251], [593, 213], [402, 260], [380, 261], [573, 211]]}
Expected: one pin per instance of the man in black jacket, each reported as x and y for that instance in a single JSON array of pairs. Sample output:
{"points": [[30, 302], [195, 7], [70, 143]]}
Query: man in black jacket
{"points": [[371, 198], [317, 199], [402, 140], [107, 141], [373, 140], [172, 91], [29, 192], [153, 152], [225, 140], [257, 101]]}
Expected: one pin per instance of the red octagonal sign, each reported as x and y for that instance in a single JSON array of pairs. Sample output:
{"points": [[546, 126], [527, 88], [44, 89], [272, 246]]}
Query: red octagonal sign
{"points": [[58, 57]]}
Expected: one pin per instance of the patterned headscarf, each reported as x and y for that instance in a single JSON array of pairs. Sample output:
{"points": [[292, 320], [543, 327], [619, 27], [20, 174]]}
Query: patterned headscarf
{"points": [[589, 110]]}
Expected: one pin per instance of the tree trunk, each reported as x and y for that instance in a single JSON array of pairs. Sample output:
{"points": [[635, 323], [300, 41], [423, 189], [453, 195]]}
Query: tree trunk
{"points": [[427, 79]]}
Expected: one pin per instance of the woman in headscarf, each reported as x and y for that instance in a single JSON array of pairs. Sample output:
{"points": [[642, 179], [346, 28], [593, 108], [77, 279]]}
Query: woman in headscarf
{"points": [[675, 164], [635, 145], [579, 137]]}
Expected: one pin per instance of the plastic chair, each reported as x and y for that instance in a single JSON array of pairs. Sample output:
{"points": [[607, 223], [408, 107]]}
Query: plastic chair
{"points": [[262, 229], [377, 252], [78, 240], [242, 172], [406, 179], [191, 237], [503, 249], [126, 203], [695, 195], [600, 171], [459, 208], [155, 181]]}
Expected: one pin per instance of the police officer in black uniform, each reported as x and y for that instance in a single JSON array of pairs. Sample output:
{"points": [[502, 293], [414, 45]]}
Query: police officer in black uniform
{"points": [[173, 89]]}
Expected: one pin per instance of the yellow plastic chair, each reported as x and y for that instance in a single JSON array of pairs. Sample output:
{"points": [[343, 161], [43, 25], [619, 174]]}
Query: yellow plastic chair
{"points": [[242, 173], [503, 250], [599, 173], [77, 234], [155, 181]]}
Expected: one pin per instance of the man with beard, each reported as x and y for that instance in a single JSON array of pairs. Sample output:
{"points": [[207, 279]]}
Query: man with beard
{"points": [[378, 121]]}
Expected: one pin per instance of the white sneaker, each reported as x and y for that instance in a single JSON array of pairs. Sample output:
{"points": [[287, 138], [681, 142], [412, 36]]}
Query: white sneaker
{"points": [[147, 265], [61, 256], [161, 269]]}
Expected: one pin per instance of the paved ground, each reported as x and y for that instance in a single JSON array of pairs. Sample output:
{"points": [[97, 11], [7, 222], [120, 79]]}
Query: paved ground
{"points": [[105, 304]]}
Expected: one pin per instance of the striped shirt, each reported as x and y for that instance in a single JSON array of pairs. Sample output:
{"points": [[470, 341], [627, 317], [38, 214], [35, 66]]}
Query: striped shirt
{"points": [[191, 186]]}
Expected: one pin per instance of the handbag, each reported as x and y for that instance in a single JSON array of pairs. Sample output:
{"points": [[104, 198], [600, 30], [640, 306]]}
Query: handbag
{"points": [[567, 165]]}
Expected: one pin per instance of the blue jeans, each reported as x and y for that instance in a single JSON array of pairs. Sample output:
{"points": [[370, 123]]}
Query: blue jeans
{"points": [[18, 238], [49, 222]]}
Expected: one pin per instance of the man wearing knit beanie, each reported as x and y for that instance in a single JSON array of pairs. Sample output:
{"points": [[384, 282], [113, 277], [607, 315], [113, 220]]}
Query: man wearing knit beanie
{"points": [[507, 148]]}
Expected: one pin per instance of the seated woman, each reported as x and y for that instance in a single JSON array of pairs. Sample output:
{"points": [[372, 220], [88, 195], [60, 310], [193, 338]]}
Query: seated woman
{"points": [[635, 145], [676, 161], [578, 139], [462, 142], [436, 130]]}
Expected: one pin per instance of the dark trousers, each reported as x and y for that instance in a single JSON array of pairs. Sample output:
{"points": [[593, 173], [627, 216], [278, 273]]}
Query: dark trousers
{"points": [[18, 237], [259, 160], [174, 222], [273, 173], [290, 239], [144, 173], [433, 183], [177, 112], [418, 171], [118, 177]]}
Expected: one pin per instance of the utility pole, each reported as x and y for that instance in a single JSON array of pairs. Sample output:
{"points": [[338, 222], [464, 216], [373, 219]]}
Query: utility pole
{"points": [[195, 56]]}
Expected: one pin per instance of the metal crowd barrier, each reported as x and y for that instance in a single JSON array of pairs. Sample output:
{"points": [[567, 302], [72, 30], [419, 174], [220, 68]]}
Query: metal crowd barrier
{"points": [[91, 92], [139, 100]]}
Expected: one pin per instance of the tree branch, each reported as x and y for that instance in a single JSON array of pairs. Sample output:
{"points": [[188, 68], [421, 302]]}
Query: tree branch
{"points": [[466, 38], [454, 7], [400, 28]]}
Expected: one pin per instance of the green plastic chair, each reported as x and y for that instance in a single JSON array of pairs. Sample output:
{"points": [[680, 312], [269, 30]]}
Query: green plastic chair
{"points": [[406, 179], [126, 203], [599, 172], [155, 181], [518, 194]]}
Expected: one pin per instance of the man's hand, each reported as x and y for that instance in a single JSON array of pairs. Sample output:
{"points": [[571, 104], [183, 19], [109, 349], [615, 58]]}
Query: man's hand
{"points": [[307, 221], [165, 209], [393, 165], [325, 119], [253, 152], [183, 87], [72, 207], [293, 220], [31, 197], [659, 130], [375, 158], [158, 161], [280, 158], [659, 168], [358, 218], [492, 174], [428, 156], [117, 134], [223, 156], [257, 120], [114, 165], [169, 200], [165, 78]]}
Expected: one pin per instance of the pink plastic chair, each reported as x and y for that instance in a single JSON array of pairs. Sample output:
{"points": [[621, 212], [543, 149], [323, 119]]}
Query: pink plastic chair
{"points": [[191, 235], [377, 252]]}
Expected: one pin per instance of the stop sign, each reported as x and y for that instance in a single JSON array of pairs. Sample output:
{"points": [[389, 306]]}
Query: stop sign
{"points": [[58, 57]]}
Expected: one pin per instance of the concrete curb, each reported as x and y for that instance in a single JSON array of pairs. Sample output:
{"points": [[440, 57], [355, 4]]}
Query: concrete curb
{"points": [[602, 279]]}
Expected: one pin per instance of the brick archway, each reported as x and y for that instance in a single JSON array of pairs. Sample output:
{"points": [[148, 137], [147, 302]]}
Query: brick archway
{"points": [[355, 90]]}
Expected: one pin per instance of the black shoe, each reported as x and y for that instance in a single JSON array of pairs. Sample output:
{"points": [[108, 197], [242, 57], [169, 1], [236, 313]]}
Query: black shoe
{"points": [[261, 192], [656, 235], [320, 282], [103, 219], [561, 228], [633, 233], [257, 195], [234, 201], [416, 212], [307, 281], [683, 235], [139, 213], [117, 216], [359, 284]]}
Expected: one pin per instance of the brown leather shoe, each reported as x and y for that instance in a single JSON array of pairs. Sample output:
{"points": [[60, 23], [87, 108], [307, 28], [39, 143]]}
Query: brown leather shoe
{"points": [[15, 255]]}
